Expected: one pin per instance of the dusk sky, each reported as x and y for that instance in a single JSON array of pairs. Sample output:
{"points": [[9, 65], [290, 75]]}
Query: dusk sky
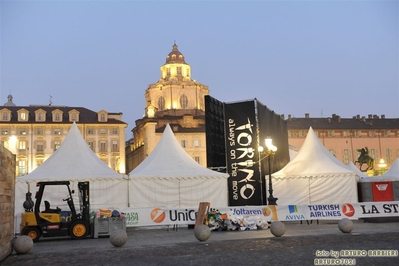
{"points": [[296, 57]]}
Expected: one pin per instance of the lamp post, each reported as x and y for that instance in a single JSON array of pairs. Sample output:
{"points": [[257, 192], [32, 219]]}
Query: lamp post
{"points": [[382, 165], [271, 150]]}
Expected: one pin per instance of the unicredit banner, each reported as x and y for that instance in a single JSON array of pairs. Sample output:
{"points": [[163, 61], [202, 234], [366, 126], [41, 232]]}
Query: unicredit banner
{"points": [[241, 154]]}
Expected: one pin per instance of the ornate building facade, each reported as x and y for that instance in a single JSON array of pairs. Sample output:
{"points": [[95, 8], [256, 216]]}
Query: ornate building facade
{"points": [[33, 133], [175, 99], [345, 137]]}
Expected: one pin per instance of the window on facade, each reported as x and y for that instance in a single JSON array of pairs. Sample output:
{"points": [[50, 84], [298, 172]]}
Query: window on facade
{"points": [[371, 133], [332, 151], [22, 131], [73, 117], [22, 145], [197, 159], [373, 153], [168, 72], [5, 116], [115, 147], [183, 101], [103, 147], [102, 131], [91, 145], [57, 131], [90, 131], [39, 147], [201, 101], [330, 133], [179, 71], [21, 168], [115, 131], [346, 156], [39, 131], [57, 144], [161, 103], [4, 132], [23, 116], [39, 162], [57, 117], [183, 143], [102, 117], [389, 155], [196, 143], [40, 117]]}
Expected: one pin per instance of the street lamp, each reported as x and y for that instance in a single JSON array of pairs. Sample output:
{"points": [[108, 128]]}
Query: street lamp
{"points": [[271, 150], [382, 165]]}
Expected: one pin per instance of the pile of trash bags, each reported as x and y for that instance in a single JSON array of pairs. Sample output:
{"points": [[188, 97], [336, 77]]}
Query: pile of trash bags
{"points": [[231, 222]]}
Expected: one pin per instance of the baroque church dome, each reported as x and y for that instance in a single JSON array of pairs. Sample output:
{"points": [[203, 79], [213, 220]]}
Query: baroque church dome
{"points": [[175, 57]]}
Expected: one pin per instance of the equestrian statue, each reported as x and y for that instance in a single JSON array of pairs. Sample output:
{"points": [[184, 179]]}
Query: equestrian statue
{"points": [[365, 158]]}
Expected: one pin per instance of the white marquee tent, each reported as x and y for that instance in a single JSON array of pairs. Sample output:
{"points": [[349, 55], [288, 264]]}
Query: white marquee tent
{"points": [[314, 176], [393, 172], [75, 161], [170, 177]]}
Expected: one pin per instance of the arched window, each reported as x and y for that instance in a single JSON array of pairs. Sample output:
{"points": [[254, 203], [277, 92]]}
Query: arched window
{"points": [[161, 103], [183, 101]]}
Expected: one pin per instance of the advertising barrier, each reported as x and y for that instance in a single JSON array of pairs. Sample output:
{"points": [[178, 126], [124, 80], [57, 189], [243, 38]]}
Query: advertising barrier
{"points": [[179, 216]]}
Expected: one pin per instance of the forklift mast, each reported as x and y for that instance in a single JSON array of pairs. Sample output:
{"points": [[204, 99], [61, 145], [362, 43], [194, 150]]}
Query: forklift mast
{"points": [[84, 200]]}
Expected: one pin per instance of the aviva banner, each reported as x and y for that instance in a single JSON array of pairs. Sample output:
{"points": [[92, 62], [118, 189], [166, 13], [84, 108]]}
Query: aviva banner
{"points": [[242, 158], [172, 216]]}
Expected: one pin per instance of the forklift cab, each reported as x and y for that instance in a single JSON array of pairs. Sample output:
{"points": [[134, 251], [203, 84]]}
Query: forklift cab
{"points": [[47, 208]]}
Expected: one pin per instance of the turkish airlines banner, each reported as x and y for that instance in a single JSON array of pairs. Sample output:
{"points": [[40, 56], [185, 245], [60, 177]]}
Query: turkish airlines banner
{"points": [[241, 137], [259, 214]]}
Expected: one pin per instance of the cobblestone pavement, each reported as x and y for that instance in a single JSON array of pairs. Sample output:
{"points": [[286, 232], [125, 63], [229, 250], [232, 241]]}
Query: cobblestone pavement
{"points": [[255, 249]]}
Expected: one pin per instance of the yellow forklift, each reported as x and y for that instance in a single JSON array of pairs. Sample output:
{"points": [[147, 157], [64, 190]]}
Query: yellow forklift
{"points": [[50, 222]]}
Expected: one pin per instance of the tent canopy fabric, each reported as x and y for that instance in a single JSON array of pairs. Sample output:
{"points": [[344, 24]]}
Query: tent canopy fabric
{"points": [[169, 160], [313, 159], [315, 176], [73, 160], [170, 177], [393, 172]]}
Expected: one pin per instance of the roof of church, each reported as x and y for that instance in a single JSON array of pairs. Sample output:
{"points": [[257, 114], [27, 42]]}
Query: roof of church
{"points": [[175, 57]]}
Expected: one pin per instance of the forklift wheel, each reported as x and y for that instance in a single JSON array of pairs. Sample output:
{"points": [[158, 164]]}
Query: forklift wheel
{"points": [[78, 230], [32, 232]]}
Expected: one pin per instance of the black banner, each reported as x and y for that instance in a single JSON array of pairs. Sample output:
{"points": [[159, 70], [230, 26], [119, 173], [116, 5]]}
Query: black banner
{"points": [[242, 157], [214, 129]]}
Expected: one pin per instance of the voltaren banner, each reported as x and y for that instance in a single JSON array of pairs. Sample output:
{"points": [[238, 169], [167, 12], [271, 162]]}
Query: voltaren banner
{"points": [[242, 154]]}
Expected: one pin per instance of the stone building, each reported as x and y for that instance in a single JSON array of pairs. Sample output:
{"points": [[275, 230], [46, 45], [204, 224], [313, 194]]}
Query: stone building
{"points": [[175, 99], [33, 133], [343, 137]]}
